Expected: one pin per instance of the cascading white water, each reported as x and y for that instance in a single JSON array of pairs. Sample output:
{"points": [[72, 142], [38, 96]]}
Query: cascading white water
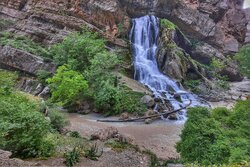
{"points": [[143, 36]]}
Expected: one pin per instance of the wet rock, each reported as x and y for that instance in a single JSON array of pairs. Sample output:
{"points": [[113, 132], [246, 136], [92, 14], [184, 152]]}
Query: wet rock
{"points": [[124, 116], [148, 100], [173, 116], [148, 121]]}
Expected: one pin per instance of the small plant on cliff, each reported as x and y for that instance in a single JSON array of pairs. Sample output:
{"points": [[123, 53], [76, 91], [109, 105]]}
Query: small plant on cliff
{"points": [[215, 67], [243, 57], [23, 43], [168, 24], [66, 85]]}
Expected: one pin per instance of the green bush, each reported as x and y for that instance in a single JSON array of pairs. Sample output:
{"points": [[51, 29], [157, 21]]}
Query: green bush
{"points": [[243, 57], [168, 24], [22, 128], [75, 134], [58, 120], [72, 157], [66, 85], [7, 81], [217, 137]]}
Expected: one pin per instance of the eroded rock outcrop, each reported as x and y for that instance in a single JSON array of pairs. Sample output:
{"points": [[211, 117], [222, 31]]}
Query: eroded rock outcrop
{"points": [[23, 61], [220, 24]]}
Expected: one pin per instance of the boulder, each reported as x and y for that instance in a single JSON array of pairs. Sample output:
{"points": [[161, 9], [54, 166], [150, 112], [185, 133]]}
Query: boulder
{"points": [[148, 100], [148, 121], [105, 134], [5, 154], [24, 61], [232, 73], [204, 53], [124, 116]]}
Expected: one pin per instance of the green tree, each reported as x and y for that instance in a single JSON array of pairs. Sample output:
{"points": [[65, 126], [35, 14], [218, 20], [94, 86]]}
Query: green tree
{"points": [[66, 85], [243, 57], [78, 49]]}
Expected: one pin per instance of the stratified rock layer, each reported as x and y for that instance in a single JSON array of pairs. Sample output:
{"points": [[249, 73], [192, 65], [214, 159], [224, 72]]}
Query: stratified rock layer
{"points": [[221, 25], [23, 61]]}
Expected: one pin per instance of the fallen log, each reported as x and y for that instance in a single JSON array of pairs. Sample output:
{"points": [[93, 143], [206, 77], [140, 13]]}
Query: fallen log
{"points": [[147, 117]]}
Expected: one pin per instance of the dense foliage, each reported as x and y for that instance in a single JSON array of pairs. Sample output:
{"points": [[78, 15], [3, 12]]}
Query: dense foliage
{"points": [[66, 84], [85, 54], [217, 137], [243, 57], [77, 49], [23, 129]]}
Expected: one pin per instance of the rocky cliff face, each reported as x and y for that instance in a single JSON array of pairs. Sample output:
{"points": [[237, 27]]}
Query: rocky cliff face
{"points": [[221, 23], [222, 26]]}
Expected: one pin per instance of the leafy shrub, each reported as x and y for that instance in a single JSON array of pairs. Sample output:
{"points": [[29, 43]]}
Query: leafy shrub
{"points": [[114, 100], [217, 137], [168, 24], [23, 43], [58, 120], [72, 157], [22, 127], [243, 56], [75, 134], [66, 84], [7, 81]]}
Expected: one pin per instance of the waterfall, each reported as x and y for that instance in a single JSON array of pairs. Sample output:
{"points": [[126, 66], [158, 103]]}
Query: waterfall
{"points": [[143, 36]]}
